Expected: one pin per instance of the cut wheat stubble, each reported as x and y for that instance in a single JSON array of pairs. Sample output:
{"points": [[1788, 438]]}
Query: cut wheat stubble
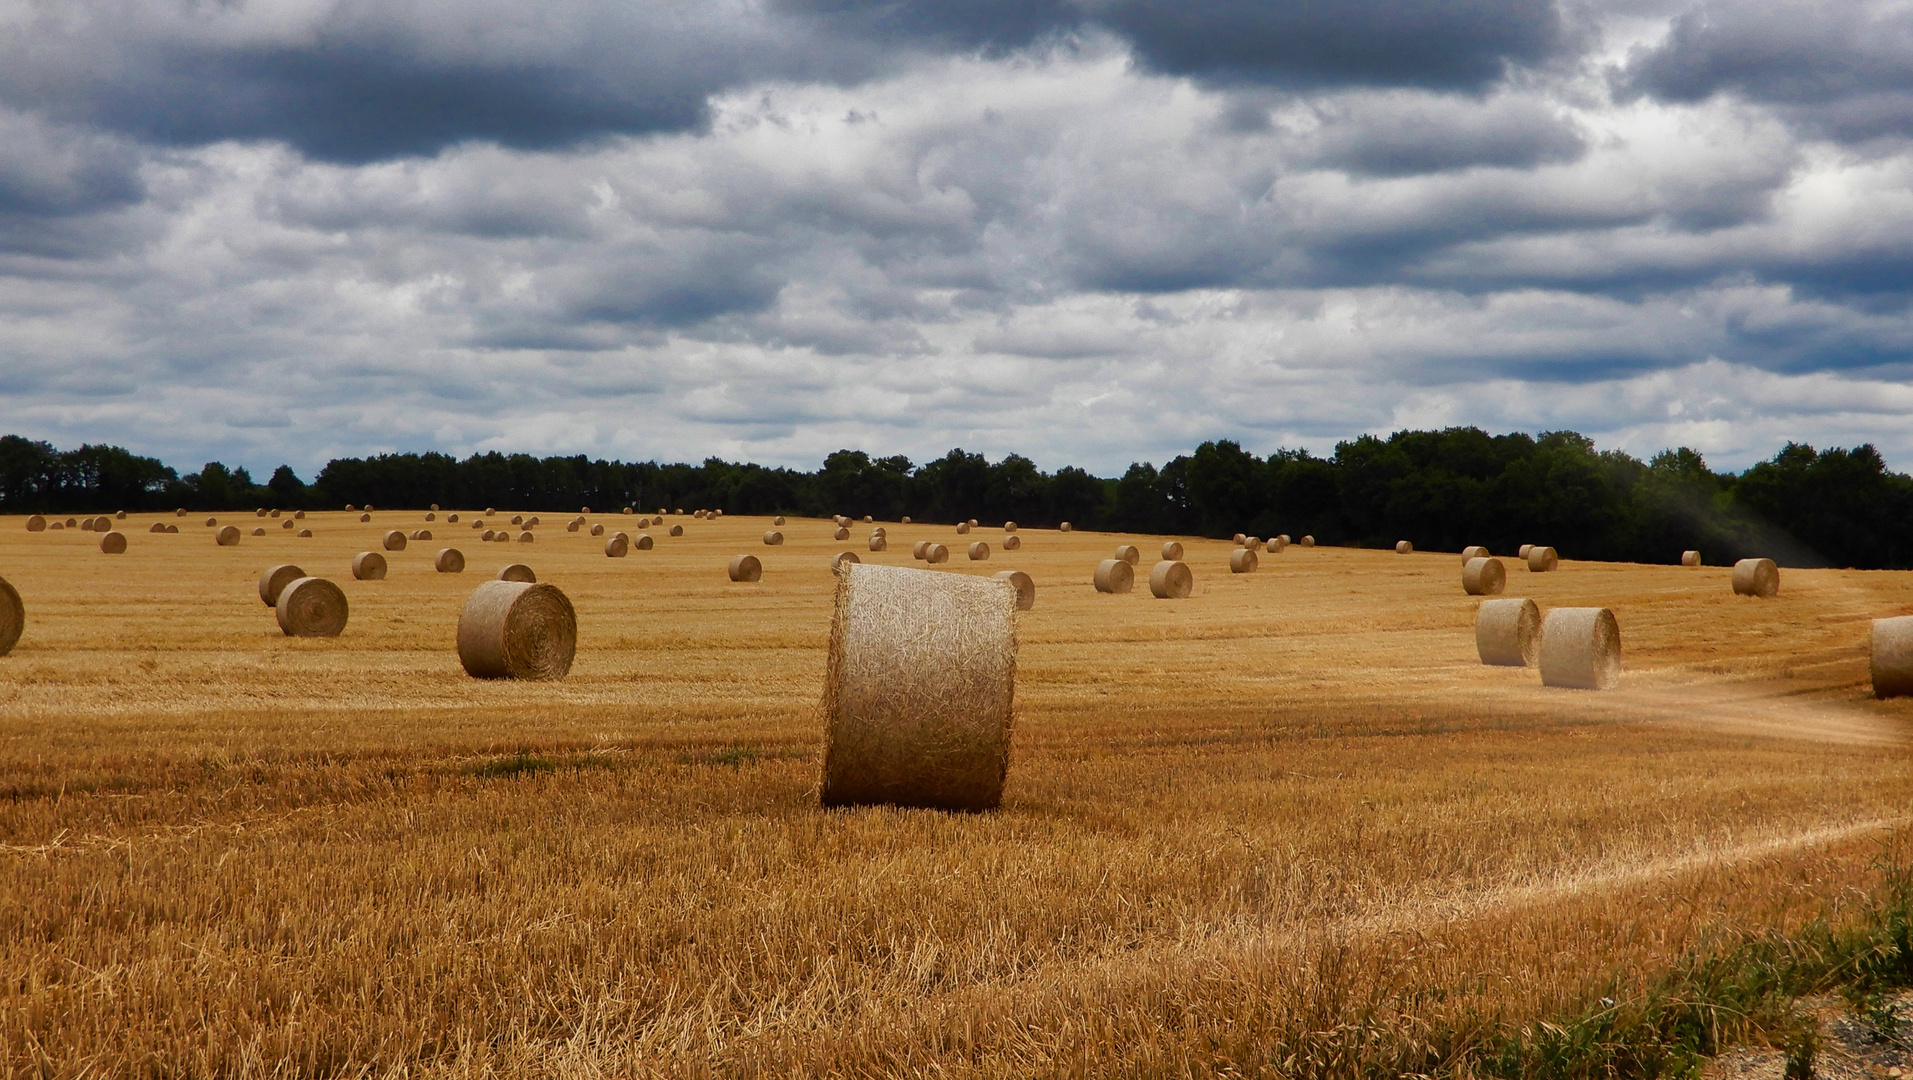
{"points": [[1114, 576], [273, 581], [1171, 579], [1756, 577], [1508, 632], [1890, 656], [1483, 576], [311, 607], [368, 566], [517, 630], [1580, 649]]}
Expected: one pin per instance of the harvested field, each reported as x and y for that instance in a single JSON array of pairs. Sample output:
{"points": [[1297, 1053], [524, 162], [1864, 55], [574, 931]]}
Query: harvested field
{"points": [[1290, 825]]}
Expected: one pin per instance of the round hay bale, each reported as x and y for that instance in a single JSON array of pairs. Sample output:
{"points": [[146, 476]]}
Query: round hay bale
{"points": [[181, 512], [1009, 526], [1508, 632], [286, 524], [531, 522], [435, 508], [677, 530], [778, 520], [972, 523], [1891, 648], [422, 534], [86, 525], [368, 508], [1170, 579], [368, 566], [1277, 545], [906, 519], [1308, 541], [867, 519], [979, 551], [843, 557], [1522, 552], [1285, 539], [158, 527], [489, 510], [1483, 576], [58, 526], [643, 542], [597, 530], [880, 531], [1243, 561], [697, 515], [1403, 547], [840, 534], [113, 543], [302, 533], [259, 532], [449, 561], [13, 617], [1238, 539], [227, 536], [745, 568], [918, 549], [349, 508], [878, 543], [428, 517], [1114, 576], [273, 581], [517, 630], [719, 512], [311, 607], [450, 519], [363, 518], [617, 546], [1580, 649], [487, 535], [121, 515], [517, 572], [936, 553], [1473, 551], [962, 527], [1252, 541], [1690, 558], [1065, 527], [1022, 583], [36, 523], [395, 541], [525, 538], [1128, 554], [478, 523], [1756, 577], [518, 519], [773, 538], [261, 512], [300, 515], [919, 689], [1012, 542], [74, 524], [1541, 559], [1171, 550], [502, 536]]}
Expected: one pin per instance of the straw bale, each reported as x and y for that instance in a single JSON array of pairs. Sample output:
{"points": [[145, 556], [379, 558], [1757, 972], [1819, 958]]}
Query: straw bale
{"points": [[1580, 649], [1009, 526], [1065, 527], [422, 534], [773, 538], [878, 542], [962, 527], [525, 538], [1542, 559], [719, 512], [349, 508], [286, 524], [919, 689], [1473, 551], [697, 515], [1012, 542], [517, 572], [1690, 558], [113, 542], [868, 519], [979, 551], [936, 553], [1756, 577], [1277, 545], [435, 507], [1522, 552], [906, 519], [1171, 550], [617, 546], [363, 518], [261, 512], [1243, 561], [158, 527], [843, 557], [1114, 576], [1170, 579], [487, 535], [1891, 649], [502, 536], [1239, 540], [490, 510], [517, 630], [1508, 632], [1253, 542], [368, 566], [880, 531], [677, 530], [531, 522], [368, 508], [1308, 541], [302, 533], [181, 512], [58, 526], [642, 542], [518, 519], [121, 515], [273, 581], [102, 524], [36, 523], [86, 524], [745, 568], [395, 541], [1128, 554], [587, 509], [778, 520], [574, 524], [449, 561], [449, 518], [1025, 587], [1483, 575], [227, 536], [311, 607], [428, 517], [1403, 547], [918, 549], [13, 616], [597, 530], [840, 534]]}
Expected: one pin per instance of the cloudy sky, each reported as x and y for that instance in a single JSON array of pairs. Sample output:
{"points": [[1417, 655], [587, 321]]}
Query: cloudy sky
{"points": [[1089, 231]]}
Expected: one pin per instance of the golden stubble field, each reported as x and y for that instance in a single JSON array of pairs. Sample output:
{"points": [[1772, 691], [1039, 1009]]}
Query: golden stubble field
{"points": [[1287, 825]]}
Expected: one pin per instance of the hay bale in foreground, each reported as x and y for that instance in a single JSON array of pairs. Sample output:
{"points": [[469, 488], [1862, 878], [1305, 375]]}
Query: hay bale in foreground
{"points": [[919, 689], [617, 546], [1508, 632], [36, 523], [273, 581], [1756, 577], [1024, 585], [517, 572], [1541, 560], [1114, 576], [745, 568], [1580, 649], [1012, 543], [1403, 547], [517, 630], [1473, 551], [773, 538], [1171, 550], [843, 557], [311, 607], [979, 551], [1483, 576], [1890, 663], [395, 541], [13, 616], [228, 536], [1171, 580], [1243, 561], [1128, 554], [368, 566], [1690, 558], [936, 553], [113, 543], [449, 561]]}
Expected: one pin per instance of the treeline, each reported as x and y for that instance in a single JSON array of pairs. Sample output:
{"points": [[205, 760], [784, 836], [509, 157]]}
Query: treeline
{"points": [[1440, 489]]}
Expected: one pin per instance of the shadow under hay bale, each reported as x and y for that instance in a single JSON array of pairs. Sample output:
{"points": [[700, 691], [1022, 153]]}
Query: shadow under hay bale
{"points": [[1483, 576], [273, 581], [1890, 656], [1756, 577], [517, 630], [1508, 632], [311, 607], [1581, 649]]}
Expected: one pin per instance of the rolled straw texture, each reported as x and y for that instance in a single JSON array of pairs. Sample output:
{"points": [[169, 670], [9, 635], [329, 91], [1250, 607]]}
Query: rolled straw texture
{"points": [[273, 581], [1483, 576], [1172, 550], [1756, 577], [1128, 554], [597, 530], [918, 549], [1009, 526], [113, 543], [936, 553], [1242, 561], [368, 566], [617, 546], [517, 572], [906, 519], [1238, 539], [841, 534], [1522, 554], [1025, 587], [227, 536], [745, 568], [878, 543], [1508, 632], [1891, 663], [979, 551], [395, 541], [919, 689], [13, 616], [421, 534], [643, 542], [677, 530], [1171, 580], [487, 535], [843, 557], [773, 538], [449, 561], [36, 523], [1012, 542], [1580, 649], [1473, 551], [1403, 547], [311, 607], [1542, 559], [1114, 576], [1690, 558], [517, 630], [86, 524]]}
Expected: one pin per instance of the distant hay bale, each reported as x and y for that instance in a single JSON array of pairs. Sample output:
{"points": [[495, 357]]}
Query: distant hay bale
{"points": [[449, 561], [273, 581], [450, 519], [1114, 576], [395, 541], [1025, 587], [349, 508], [1170, 579], [1580, 649], [962, 527], [261, 512], [72, 523], [286, 524], [1891, 649], [1403, 547], [158, 527], [1064, 527], [745, 568], [300, 515], [679, 510], [843, 557], [517, 572], [918, 549], [1522, 552], [1128, 554], [1308, 541], [181, 512], [1012, 542], [13, 617], [227, 536], [1756, 577], [906, 519], [1508, 632], [778, 520], [428, 517], [489, 510], [368, 566], [719, 512], [368, 508], [1483, 575], [936, 553], [1542, 559], [363, 518], [840, 534], [259, 532], [113, 543], [531, 522], [574, 525], [1252, 541], [1009, 526], [878, 542], [304, 534], [422, 534], [86, 524], [1243, 561], [1238, 539], [597, 530], [58, 526], [487, 535], [773, 538], [972, 523], [122, 515], [1690, 558], [880, 531], [868, 519], [36, 523], [311, 607], [518, 519], [979, 551], [525, 538], [643, 542], [478, 523], [517, 630], [677, 530], [1473, 551], [1277, 545], [617, 546], [697, 515], [434, 507], [1171, 550], [502, 536]]}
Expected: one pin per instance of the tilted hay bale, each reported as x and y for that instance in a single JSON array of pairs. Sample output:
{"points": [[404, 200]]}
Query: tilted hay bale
{"points": [[1473, 551], [1170, 579], [1541, 560], [158, 527], [1128, 554], [979, 551], [962, 527], [1756, 577], [936, 553], [677, 530], [13, 617], [1171, 550], [395, 541], [643, 542], [1114, 576], [1012, 543], [1064, 527], [778, 520], [449, 561], [919, 689], [773, 538], [1308, 541], [745, 568], [918, 549], [1580, 649], [1403, 547], [273, 581], [878, 543], [843, 557], [36, 523], [1891, 649], [227, 536], [617, 546], [1025, 587], [1508, 632], [517, 630], [597, 530], [1483, 576], [368, 566], [517, 572], [1522, 552], [311, 607], [1243, 561], [113, 543], [840, 534], [1690, 558]]}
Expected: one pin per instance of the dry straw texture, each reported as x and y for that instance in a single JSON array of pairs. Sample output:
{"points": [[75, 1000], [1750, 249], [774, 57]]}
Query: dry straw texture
{"points": [[13, 616], [1890, 664], [311, 607], [228, 536], [395, 541], [486, 536], [449, 561], [1012, 543], [259, 532], [1171, 580], [517, 630], [1473, 551], [516, 572], [86, 525], [1581, 649], [1172, 550], [368, 566], [1690, 558], [597, 530], [745, 568], [1114, 576], [936, 553], [113, 543], [1483, 576], [1542, 559], [273, 581], [363, 518], [1243, 561], [843, 557], [919, 689], [773, 538], [1756, 577], [1403, 547], [617, 546], [525, 537], [643, 542], [36, 523], [1508, 632], [421, 534], [1024, 585], [979, 551], [1129, 553]]}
